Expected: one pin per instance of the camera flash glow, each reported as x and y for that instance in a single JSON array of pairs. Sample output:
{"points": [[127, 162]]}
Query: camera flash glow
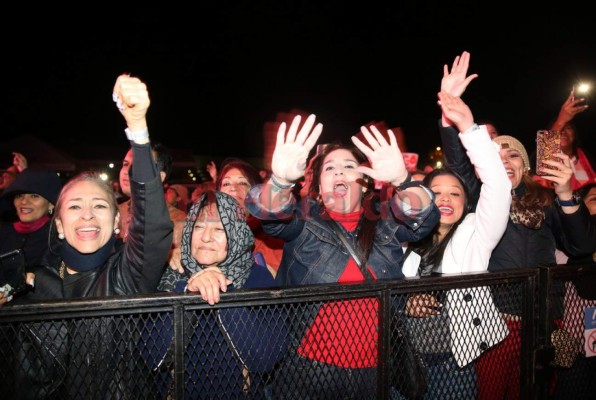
{"points": [[583, 88]]}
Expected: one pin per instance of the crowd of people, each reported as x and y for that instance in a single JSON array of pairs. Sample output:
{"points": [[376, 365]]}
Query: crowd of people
{"points": [[485, 211]]}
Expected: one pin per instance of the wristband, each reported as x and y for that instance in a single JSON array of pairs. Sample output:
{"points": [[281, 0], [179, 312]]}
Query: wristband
{"points": [[279, 185], [406, 183], [574, 201], [137, 135]]}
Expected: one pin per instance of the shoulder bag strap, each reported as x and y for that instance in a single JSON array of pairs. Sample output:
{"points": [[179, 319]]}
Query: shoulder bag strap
{"points": [[351, 250]]}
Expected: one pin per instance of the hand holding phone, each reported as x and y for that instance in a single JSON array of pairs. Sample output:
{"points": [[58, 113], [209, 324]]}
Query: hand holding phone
{"points": [[547, 144], [581, 91]]}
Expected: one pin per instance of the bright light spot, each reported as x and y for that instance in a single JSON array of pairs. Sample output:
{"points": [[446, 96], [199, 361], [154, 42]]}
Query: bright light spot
{"points": [[438, 148], [439, 165], [583, 88], [111, 165], [103, 176]]}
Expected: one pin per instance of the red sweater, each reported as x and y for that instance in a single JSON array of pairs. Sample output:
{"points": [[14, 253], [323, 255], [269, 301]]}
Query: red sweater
{"points": [[344, 333]]}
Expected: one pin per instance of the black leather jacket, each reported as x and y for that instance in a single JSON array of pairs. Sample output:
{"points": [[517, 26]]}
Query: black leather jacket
{"points": [[77, 358], [135, 266]]}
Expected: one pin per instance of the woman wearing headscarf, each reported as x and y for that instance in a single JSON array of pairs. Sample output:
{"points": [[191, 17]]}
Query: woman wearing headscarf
{"points": [[228, 350]]}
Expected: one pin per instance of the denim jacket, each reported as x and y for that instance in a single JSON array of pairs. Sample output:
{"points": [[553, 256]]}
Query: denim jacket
{"points": [[314, 254]]}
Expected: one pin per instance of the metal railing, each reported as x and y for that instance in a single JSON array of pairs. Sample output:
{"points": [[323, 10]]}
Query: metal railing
{"points": [[253, 343]]}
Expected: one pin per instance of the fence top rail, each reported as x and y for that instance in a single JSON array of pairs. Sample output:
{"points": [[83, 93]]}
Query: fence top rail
{"points": [[157, 302], [568, 271]]}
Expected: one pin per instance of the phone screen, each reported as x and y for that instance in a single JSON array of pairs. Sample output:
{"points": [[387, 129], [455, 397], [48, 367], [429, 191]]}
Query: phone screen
{"points": [[547, 143]]}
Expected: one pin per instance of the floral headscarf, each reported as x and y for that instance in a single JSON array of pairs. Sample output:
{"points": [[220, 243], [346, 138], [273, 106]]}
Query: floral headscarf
{"points": [[238, 261]]}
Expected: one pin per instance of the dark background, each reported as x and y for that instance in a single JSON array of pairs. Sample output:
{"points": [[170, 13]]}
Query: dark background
{"points": [[218, 70]]}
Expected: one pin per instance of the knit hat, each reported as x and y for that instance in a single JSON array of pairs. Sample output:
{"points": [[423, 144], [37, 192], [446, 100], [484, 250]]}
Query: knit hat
{"points": [[42, 182], [509, 142]]}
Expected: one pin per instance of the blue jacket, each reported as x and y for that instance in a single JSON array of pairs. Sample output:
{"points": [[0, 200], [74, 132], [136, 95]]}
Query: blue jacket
{"points": [[313, 253], [213, 369]]}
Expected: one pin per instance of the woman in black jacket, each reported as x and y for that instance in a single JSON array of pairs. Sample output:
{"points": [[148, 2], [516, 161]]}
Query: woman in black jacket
{"points": [[92, 263], [32, 197]]}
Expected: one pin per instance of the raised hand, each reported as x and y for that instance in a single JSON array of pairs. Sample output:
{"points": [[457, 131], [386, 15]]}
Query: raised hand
{"points": [[291, 150], [456, 111], [19, 161], [132, 99], [560, 175], [386, 160], [455, 81], [571, 107]]}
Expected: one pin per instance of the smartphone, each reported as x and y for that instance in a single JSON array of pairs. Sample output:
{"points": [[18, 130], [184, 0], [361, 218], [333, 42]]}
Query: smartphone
{"points": [[547, 143], [12, 272]]}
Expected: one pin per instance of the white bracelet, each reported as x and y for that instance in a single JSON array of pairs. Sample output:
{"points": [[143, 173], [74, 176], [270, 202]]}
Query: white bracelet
{"points": [[137, 135]]}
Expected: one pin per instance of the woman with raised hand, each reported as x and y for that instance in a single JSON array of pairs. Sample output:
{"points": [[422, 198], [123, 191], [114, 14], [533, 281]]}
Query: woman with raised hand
{"points": [[86, 217], [321, 364], [540, 221], [582, 161], [447, 326], [91, 264]]}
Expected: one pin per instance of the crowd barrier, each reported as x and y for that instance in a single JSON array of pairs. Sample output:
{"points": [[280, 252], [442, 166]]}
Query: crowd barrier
{"points": [[253, 343]]}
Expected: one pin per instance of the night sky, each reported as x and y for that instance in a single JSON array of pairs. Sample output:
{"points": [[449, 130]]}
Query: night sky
{"points": [[217, 74]]}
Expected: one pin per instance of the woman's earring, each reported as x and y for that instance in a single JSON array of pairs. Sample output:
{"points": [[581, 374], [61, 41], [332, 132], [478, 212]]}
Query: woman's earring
{"points": [[61, 236], [116, 230], [51, 211]]}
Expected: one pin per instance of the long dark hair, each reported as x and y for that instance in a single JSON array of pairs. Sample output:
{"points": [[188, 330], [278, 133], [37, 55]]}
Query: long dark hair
{"points": [[430, 251], [367, 226], [576, 143], [534, 194]]}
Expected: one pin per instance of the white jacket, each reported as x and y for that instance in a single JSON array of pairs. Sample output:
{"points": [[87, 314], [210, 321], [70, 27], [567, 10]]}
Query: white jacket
{"points": [[475, 323]]}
